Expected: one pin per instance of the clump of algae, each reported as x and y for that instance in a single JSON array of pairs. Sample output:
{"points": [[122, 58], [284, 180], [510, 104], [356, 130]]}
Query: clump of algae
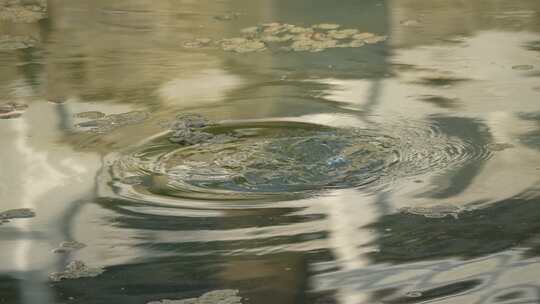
{"points": [[290, 38], [225, 296]]}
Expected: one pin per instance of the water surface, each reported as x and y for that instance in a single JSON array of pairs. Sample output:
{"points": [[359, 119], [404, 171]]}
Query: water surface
{"points": [[405, 171]]}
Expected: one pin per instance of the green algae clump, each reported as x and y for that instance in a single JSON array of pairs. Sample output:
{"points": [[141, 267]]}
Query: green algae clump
{"points": [[277, 36]]}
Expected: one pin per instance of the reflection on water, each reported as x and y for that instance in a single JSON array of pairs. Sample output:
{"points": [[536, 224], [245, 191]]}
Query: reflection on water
{"points": [[400, 172]]}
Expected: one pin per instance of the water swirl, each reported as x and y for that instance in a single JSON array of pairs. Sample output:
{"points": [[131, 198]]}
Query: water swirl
{"points": [[271, 161]]}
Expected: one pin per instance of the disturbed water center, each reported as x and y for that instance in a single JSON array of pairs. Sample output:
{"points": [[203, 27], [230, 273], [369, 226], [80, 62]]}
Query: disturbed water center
{"points": [[241, 160]]}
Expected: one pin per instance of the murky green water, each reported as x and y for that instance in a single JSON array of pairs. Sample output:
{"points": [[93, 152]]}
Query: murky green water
{"points": [[354, 152]]}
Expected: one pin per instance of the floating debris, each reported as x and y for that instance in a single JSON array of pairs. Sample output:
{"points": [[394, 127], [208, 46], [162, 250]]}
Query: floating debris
{"points": [[228, 16], [12, 110], [439, 211], [289, 37], [75, 270], [375, 39], [19, 12], [496, 147], [69, 246], [198, 43], [113, 121], [327, 26], [225, 296], [90, 115], [186, 130], [189, 121], [441, 81], [22, 213], [362, 36], [57, 101], [189, 137], [342, 34], [440, 101], [523, 67], [242, 45], [410, 22], [10, 43]]}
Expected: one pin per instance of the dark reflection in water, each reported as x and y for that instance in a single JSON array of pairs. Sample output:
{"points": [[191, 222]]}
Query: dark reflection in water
{"points": [[532, 138], [469, 131], [504, 225], [9, 289], [258, 277]]}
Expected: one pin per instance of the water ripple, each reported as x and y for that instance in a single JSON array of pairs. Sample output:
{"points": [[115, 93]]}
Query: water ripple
{"points": [[277, 161]]}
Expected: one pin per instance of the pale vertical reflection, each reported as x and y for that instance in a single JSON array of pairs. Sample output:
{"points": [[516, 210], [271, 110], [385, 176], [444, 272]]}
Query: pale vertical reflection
{"points": [[40, 174], [40, 177], [348, 211]]}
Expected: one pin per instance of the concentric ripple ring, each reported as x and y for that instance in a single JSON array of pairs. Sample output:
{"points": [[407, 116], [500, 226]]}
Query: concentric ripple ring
{"points": [[270, 161]]}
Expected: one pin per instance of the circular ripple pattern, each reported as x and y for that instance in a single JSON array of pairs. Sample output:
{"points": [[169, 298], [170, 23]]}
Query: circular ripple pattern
{"points": [[279, 161]]}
